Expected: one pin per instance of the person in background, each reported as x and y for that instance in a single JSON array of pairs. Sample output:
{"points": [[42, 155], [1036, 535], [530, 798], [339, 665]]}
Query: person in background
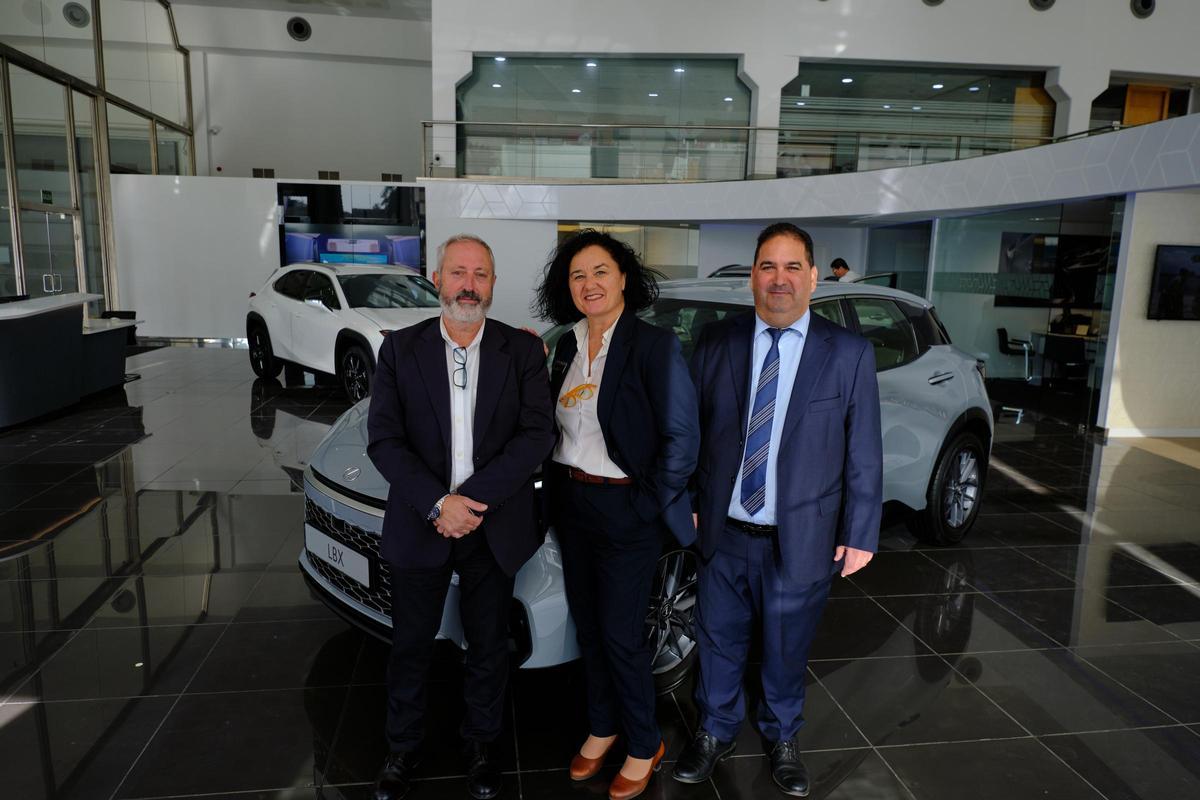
{"points": [[842, 272]]}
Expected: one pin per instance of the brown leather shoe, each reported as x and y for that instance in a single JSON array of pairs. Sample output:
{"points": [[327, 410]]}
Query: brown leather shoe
{"points": [[583, 768], [623, 788]]}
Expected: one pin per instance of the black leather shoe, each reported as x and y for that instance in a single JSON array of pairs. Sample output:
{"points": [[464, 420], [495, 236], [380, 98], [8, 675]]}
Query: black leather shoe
{"points": [[395, 779], [788, 770], [696, 762], [483, 777]]}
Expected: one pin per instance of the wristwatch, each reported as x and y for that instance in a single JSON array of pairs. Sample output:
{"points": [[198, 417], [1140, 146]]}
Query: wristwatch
{"points": [[437, 509]]}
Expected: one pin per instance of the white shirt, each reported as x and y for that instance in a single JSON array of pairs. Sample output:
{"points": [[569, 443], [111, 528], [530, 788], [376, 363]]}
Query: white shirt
{"points": [[850, 277], [462, 406], [791, 348], [581, 440]]}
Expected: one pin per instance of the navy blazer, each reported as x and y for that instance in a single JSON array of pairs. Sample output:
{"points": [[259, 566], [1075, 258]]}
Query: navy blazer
{"points": [[647, 413], [829, 469], [409, 439]]}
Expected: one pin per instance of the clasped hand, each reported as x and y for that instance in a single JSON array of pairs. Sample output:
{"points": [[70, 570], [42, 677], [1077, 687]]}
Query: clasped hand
{"points": [[460, 516]]}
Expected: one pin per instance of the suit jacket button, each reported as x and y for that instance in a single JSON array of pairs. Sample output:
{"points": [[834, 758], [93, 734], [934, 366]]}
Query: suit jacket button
{"points": [[732, 480]]}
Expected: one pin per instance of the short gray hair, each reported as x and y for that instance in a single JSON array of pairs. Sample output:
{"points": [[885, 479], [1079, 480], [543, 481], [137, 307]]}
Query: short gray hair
{"points": [[463, 237]]}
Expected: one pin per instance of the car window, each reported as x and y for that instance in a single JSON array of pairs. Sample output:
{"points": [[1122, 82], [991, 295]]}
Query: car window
{"points": [[388, 291], [924, 325], [887, 329], [292, 284], [319, 287], [830, 310]]}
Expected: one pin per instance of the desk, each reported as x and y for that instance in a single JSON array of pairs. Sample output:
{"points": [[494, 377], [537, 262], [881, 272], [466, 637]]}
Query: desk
{"points": [[47, 358]]}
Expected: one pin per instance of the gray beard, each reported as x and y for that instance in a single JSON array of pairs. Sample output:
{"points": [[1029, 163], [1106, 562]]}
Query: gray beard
{"points": [[465, 315]]}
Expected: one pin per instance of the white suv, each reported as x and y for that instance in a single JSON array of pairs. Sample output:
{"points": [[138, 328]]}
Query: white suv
{"points": [[331, 319]]}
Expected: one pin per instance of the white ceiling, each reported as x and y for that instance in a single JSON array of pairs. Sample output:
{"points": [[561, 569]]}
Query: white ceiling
{"points": [[389, 9]]}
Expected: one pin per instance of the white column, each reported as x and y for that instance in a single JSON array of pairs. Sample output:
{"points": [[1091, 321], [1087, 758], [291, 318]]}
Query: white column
{"points": [[766, 75], [449, 68], [1073, 88]]}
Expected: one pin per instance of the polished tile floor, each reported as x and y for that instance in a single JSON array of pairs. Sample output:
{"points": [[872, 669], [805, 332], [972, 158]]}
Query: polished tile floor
{"points": [[156, 639]]}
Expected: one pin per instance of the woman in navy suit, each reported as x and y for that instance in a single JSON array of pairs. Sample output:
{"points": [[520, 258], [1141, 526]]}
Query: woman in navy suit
{"points": [[628, 437]]}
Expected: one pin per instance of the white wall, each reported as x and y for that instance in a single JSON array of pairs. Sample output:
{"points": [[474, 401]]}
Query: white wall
{"points": [[299, 115], [190, 251], [722, 244], [1156, 372]]}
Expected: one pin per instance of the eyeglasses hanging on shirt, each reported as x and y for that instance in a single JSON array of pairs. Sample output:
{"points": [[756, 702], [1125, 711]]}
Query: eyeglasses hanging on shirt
{"points": [[460, 371]]}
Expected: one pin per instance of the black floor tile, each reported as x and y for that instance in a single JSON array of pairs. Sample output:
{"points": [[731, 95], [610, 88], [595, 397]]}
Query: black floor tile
{"points": [[1175, 608], [996, 570], [283, 596], [557, 784], [833, 775], [75, 750], [857, 628], [907, 573], [1076, 617], [1055, 691], [917, 699], [1155, 764], [237, 741], [126, 662], [1000, 529], [1167, 675], [965, 622], [999, 770], [280, 655], [1101, 568]]}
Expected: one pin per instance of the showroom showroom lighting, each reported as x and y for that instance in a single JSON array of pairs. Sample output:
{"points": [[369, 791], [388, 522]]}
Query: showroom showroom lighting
{"points": [[495, 86], [576, 91], [501, 58], [799, 103], [939, 86], [679, 69], [652, 94], [847, 80], [973, 89], [728, 99], [590, 64], [916, 108]]}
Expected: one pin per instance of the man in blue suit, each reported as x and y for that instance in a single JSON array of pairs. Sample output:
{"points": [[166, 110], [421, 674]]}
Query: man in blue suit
{"points": [[788, 493]]}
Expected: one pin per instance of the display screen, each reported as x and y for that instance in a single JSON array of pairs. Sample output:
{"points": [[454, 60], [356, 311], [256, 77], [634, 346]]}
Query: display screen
{"points": [[1175, 292], [352, 224]]}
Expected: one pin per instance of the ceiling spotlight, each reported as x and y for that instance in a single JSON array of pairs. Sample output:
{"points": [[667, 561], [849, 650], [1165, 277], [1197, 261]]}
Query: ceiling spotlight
{"points": [[847, 80], [799, 103], [728, 99], [916, 108], [973, 89], [939, 86], [885, 105], [576, 91], [495, 86], [653, 94], [679, 69], [590, 64], [501, 58]]}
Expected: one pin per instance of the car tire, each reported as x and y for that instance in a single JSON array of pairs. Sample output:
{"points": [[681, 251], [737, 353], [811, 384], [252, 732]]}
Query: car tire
{"points": [[955, 492], [262, 358], [671, 619], [355, 372]]}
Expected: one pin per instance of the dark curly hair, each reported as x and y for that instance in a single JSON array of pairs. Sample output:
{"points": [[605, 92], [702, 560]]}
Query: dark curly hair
{"points": [[553, 301]]}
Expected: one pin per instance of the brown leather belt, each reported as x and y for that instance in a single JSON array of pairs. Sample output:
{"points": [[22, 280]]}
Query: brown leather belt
{"points": [[586, 477], [751, 528]]}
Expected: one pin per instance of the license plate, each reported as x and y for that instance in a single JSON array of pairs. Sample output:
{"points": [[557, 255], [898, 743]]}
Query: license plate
{"points": [[338, 556]]}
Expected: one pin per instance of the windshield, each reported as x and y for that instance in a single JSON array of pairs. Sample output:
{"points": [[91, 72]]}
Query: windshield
{"points": [[388, 291]]}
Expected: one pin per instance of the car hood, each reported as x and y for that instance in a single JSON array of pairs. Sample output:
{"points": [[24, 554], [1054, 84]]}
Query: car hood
{"points": [[390, 319], [341, 457]]}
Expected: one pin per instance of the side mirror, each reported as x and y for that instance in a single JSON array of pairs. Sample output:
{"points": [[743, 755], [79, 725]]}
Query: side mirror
{"points": [[317, 303]]}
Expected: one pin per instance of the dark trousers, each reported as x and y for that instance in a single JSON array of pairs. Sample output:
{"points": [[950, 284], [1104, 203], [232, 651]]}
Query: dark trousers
{"points": [[418, 597], [609, 556], [743, 584]]}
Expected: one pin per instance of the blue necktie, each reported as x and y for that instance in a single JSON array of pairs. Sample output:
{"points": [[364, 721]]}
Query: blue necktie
{"points": [[758, 434]]}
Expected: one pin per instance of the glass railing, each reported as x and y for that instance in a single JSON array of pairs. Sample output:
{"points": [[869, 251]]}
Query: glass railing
{"points": [[666, 153]]}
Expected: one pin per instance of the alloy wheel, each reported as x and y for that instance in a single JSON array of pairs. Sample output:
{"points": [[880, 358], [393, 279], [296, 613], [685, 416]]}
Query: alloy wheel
{"points": [[354, 376], [962, 488], [671, 621]]}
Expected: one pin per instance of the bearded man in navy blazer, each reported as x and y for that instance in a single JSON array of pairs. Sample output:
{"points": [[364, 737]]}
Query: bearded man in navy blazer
{"points": [[460, 418], [789, 493]]}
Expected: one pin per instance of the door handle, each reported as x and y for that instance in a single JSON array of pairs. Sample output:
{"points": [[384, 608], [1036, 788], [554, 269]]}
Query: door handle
{"points": [[59, 284], [48, 283], [940, 377]]}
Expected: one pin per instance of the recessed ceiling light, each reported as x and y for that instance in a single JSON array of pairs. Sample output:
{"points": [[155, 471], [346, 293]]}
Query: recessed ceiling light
{"points": [[916, 108], [939, 86], [576, 91], [501, 58], [728, 99], [885, 105], [590, 64], [679, 69], [847, 80], [653, 94], [799, 103], [973, 89], [495, 86]]}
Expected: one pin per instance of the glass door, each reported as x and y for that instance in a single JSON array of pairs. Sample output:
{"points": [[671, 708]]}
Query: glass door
{"points": [[48, 245]]}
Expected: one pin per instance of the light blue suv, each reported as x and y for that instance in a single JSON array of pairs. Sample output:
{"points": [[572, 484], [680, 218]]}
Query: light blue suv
{"points": [[937, 434]]}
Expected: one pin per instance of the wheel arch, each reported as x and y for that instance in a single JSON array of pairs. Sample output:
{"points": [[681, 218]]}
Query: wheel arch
{"points": [[345, 338]]}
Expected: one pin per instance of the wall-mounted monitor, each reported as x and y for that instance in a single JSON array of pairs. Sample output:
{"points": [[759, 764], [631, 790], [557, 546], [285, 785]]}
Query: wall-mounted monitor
{"points": [[1175, 292]]}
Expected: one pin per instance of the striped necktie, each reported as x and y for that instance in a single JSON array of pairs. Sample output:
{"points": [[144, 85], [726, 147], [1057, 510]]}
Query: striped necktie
{"points": [[758, 434]]}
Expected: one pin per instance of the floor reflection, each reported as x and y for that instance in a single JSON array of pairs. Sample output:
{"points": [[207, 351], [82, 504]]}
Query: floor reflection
{"points": [[156, 639]]}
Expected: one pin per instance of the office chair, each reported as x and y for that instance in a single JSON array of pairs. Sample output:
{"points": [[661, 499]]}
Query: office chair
{"points": [[1016, 347]]}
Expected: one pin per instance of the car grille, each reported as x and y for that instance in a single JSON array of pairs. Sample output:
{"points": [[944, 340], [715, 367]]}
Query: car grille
{"points": [[379, 596]]}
